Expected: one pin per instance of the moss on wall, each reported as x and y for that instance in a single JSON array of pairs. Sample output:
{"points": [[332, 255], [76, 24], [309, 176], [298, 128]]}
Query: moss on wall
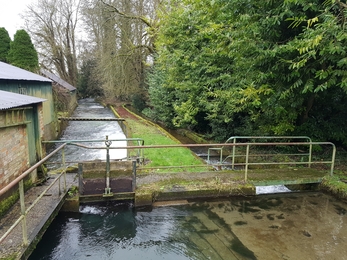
{"points": [[11, 198]]}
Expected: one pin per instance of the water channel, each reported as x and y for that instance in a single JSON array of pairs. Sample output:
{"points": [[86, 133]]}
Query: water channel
{"points": [[306, 226], [287, 226], [91, 130]]}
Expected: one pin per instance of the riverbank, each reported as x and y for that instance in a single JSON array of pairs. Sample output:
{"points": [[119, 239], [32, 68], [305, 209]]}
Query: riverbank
{"points": [[155, 186], [335, 185]]}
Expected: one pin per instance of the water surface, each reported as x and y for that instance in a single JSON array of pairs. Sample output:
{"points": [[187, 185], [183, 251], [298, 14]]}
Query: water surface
{"points": [[92, 130], [286, 226]]}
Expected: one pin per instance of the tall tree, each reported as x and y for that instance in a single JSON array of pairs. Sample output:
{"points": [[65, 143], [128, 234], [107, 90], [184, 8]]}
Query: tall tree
{"points": [[53, 25], [22, 52], [5, 42], [254, 67], [121, 42]]}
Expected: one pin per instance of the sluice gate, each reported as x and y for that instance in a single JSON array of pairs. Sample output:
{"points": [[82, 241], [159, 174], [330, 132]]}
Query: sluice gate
{"points": [[100, 179]]}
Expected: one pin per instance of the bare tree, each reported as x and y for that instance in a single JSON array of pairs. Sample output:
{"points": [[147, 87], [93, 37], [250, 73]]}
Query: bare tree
{"points": [[119, 30], [52, 25]]}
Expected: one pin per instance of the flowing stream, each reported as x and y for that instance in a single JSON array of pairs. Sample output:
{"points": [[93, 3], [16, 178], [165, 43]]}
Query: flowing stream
{"points": [[287, 226], [92, 130]]}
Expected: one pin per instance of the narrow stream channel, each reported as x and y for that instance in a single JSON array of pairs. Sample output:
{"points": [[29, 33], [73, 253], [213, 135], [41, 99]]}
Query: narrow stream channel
{"points": [[275, 226], [91, 130]]}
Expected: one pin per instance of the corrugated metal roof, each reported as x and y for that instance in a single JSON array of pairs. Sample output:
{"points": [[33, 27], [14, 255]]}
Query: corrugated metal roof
{"points": [[10, 100], [10, 72], [58, 80]]}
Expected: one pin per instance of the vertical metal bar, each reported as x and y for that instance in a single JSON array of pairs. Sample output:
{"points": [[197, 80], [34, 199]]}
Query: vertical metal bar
{"points": [[142, 152], [208, 155], [134, 176], [246, 166], [138, 153], [107, 165], [310, 155], [64, 167], [333, 161], [80, 178], [107, 189], [22, 209], [233, 159], [59, 189], [221, 156]]}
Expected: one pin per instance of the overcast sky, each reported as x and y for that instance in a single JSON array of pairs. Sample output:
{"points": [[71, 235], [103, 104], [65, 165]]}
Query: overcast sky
{"points": [[9, 14]]}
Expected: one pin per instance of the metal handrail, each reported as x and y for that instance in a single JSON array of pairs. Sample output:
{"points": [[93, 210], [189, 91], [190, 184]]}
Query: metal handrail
{"points": [[247, 155], [20, 182], [234, 139], [19, 179], [140, 143], [221, 145]]}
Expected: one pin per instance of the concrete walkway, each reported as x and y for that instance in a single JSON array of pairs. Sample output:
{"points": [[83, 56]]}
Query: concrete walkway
{"points": [[12, 247]]}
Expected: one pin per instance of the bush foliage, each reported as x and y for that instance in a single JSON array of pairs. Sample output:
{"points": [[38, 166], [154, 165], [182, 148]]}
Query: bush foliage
{"points": [[234, 67]]}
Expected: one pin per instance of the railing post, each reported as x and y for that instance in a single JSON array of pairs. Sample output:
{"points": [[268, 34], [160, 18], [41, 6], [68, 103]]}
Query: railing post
{"points": [[233, 159], [221, 156], [108, 189], [310, 155], [246, 166], [333, 161], [64, 167], [22, 209], [134, 175]]}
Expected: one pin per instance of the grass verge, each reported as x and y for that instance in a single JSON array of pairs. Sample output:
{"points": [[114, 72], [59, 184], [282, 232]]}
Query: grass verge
{"points": [[168, 157]]}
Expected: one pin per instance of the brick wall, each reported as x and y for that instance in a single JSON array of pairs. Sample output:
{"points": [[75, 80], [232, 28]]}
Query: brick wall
{"points": [[14, 157]]}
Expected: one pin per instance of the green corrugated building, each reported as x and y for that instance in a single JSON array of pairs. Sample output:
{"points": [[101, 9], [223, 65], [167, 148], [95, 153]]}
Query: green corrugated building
{"points": [[17, 80]]}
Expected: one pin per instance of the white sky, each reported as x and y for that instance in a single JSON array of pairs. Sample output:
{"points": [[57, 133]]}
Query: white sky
{"points": [[9, 14]]}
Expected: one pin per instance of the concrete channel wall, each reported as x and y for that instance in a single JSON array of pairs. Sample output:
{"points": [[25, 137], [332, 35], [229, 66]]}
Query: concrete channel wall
{"points": [[92, 177]]}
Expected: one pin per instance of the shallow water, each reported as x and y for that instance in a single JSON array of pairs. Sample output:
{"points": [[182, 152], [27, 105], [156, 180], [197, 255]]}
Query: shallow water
{"points": [[92, 130], [283, 226]]}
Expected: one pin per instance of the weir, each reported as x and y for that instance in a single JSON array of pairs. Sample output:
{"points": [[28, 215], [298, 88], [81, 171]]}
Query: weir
{"points": [[108, 175]]}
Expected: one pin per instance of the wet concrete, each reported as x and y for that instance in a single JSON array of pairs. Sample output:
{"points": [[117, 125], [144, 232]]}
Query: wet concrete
{"points": [[40, 215]]}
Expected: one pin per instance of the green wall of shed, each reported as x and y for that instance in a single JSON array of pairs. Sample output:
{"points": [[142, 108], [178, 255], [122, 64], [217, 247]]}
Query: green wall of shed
{"points": [[36, 89]]}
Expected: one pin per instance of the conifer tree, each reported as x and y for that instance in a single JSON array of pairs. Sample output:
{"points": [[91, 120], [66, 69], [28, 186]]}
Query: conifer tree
{"points": [[22, 52], [5, 42]]}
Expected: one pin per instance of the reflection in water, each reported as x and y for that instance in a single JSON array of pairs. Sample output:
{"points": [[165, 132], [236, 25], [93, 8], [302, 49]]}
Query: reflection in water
{"points": [[92, 130], [282, 226]]}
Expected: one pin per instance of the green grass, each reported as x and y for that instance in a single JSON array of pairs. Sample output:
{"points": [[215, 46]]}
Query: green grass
{"points": [[156, 157], [334, 185]]}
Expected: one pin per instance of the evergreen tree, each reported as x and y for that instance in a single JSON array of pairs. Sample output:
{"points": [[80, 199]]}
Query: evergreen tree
{"points": [[5, 42], [22, 52]]}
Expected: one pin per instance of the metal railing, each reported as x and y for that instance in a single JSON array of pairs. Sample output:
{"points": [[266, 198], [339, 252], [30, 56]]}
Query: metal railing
{"points": [[140, 148], [247, 155], [235, 138], [139, 153], [220, 146], [20, 181]]}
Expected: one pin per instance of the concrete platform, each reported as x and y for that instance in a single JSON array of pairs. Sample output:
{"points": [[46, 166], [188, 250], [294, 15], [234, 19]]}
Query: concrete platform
{"points": [[38, 218]]}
